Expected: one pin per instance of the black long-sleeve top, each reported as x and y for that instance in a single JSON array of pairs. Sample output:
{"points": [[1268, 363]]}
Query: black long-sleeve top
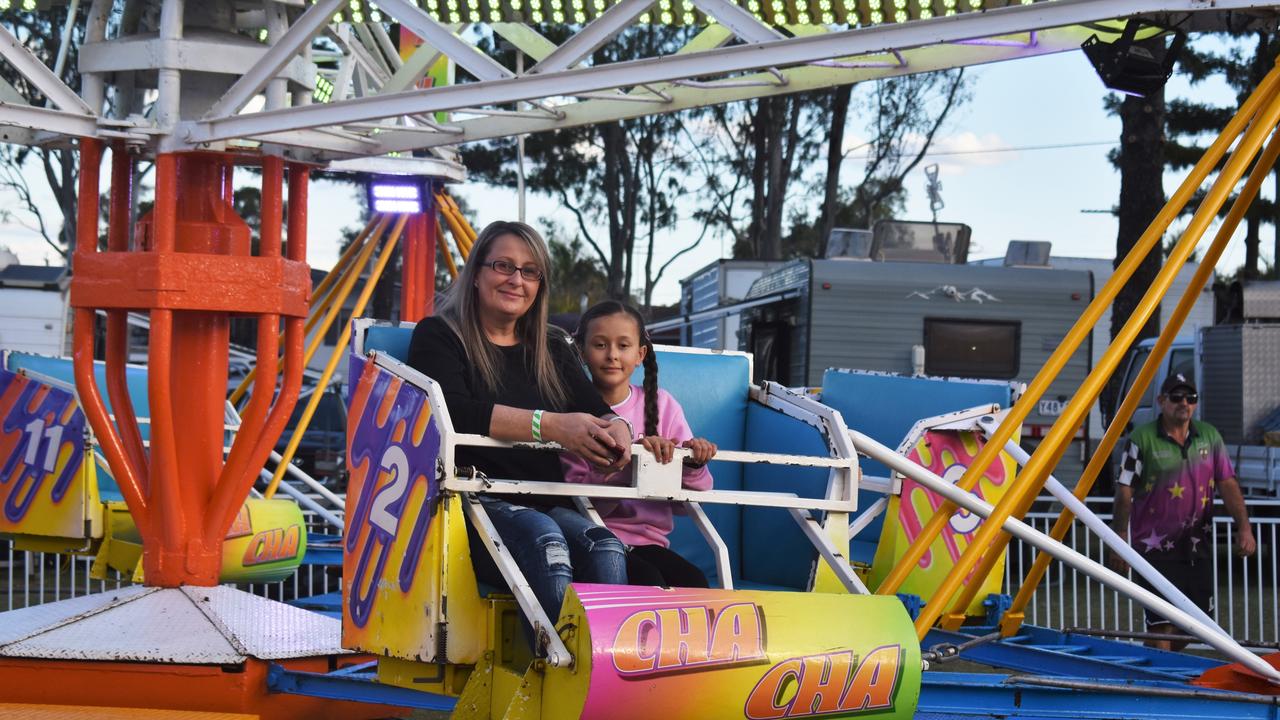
{"points": [[437, 352]]}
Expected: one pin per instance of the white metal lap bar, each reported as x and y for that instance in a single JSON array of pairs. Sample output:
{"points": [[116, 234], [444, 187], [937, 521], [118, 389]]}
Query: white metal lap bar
{"points": [[931, 481], [1109, 537], [543, 627], [724, 568]]}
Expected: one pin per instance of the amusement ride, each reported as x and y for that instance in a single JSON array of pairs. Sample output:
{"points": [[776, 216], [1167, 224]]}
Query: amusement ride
{"points": [[855, 535]]}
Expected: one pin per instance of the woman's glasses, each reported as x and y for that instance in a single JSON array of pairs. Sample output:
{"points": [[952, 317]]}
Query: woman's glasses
{"points": [[506, 267]]}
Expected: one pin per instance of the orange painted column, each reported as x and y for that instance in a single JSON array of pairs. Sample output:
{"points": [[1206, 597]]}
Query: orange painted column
{"points": [[427, 296], [191, 267], [409, 271]]}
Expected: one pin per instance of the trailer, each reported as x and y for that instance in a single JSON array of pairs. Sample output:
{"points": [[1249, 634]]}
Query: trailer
{"points": [[935, 319]]}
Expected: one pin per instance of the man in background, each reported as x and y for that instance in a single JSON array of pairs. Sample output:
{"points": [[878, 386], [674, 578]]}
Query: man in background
{"points": [[1169, 472]]}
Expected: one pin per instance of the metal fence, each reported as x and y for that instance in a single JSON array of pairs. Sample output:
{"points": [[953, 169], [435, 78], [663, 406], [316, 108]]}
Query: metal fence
{"points": [[1246, 588], [32, 578]]}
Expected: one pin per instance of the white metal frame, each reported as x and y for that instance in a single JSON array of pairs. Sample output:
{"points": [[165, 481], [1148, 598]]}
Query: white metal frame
{"points": [[376, 110]]}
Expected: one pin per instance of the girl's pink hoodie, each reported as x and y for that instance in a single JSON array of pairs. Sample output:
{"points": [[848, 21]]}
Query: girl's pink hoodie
{"points": [[639, 522]]}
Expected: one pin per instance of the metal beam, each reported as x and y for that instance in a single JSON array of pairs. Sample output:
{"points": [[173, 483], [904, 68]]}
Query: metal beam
{"points": [[590, 38], [525, 39], [281, 52], [47, 120], [953, 29], [736, 18], [1044, 661], [460, 51], [797, 79], [30, 67]]}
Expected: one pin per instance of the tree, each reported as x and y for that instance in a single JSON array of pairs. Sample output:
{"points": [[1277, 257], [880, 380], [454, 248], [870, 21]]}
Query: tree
{"points": [[57, 167], [1140, 159], [904, 116], [1188, 122], [574, 274], [627, 176]]}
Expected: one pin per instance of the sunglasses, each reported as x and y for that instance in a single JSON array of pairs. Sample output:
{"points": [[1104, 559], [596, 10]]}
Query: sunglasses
{"points": [[1190, 398], [504, 267]]}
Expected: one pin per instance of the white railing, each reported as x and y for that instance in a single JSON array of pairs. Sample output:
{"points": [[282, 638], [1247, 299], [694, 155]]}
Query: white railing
{"points": [[1248, 589]]}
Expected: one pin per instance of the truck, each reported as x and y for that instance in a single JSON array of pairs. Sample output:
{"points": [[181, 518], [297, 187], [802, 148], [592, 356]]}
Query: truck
{"points": [[1236, 366]]}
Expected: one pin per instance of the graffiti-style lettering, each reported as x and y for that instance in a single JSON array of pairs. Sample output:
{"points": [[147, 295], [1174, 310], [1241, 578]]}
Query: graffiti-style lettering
{"points": [[671, 639], [392, 446], [822, 685], [41, 440], [272, 545], [948, 454], [242, 525]]}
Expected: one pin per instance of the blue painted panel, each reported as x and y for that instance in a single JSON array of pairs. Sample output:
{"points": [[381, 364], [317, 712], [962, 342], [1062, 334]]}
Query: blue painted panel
{"points": [[884, 407], [712, 390], [774, 550]]}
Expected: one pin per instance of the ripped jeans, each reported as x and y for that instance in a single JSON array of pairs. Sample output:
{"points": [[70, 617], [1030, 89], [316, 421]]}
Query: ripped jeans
{"points": [[553, 549]]}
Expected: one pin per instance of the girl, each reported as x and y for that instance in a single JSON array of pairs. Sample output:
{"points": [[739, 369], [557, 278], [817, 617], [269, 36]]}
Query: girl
{"points": [[613, 341]]}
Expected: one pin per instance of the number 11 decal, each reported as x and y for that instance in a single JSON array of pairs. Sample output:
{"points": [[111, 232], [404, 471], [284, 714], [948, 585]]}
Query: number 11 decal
{"points": [[35, 432]]}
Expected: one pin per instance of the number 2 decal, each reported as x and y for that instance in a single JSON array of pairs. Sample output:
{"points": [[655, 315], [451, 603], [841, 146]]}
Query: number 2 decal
{"points": [[396, 462], [35, 431]]}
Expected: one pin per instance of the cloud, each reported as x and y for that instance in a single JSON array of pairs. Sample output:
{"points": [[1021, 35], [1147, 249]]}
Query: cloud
{"points": [[955, 153]]}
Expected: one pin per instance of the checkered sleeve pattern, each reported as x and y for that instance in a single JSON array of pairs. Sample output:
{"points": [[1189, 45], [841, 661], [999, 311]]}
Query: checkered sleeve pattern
{"points": [[1130, 465]]}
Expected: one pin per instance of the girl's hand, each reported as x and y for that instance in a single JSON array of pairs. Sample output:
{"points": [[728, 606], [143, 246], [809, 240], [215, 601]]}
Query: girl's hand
{"points": [[703, 451], [661, 447], [593, 439]]}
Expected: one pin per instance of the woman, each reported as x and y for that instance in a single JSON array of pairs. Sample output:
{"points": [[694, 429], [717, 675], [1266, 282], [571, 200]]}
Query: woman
{"points": [[503, 375]]}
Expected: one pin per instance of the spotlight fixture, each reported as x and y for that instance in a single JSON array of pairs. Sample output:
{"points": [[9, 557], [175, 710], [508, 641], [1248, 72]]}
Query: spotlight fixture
{"points": [[1132, 66], [395, 195]]}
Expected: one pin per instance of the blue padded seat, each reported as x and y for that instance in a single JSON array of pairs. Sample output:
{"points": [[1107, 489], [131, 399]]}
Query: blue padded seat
{"points": [[712, 388], [390, 339]]}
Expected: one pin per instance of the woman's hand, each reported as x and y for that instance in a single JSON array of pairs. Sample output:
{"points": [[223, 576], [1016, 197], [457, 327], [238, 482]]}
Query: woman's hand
{"points": [[703, 451], [602, 443], [661, 447]]}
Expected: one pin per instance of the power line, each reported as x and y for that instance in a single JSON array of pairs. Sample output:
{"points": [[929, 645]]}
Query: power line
{"points": [[1058, 146]]}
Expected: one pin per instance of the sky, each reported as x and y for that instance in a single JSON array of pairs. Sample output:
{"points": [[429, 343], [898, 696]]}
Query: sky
{"points": [[1025, 159]]}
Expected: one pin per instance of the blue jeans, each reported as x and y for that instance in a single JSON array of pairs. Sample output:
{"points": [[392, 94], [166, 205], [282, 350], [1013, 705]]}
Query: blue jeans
{"points": [[552, 549]]}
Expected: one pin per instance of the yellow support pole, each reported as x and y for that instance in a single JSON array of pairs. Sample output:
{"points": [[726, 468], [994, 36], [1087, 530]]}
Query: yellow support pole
{"points": [[319, 300], [445, 251], [1081, 330], [338, 355], [331, 278], [1014, 617], [462, 220], [1033, 474], [456, 224]]}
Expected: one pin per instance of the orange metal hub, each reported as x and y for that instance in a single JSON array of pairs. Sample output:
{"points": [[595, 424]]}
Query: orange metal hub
{"points": [[190, 267]]}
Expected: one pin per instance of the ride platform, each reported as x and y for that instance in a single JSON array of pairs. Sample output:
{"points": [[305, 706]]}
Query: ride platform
{"points": [[201, 650]]}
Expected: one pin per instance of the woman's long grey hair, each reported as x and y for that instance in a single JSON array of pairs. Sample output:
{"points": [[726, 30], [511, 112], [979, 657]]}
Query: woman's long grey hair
{"points": [[458, 307]]}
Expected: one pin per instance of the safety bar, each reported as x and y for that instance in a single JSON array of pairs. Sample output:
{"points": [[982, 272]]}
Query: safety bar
{"points": [[544, 629]]}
